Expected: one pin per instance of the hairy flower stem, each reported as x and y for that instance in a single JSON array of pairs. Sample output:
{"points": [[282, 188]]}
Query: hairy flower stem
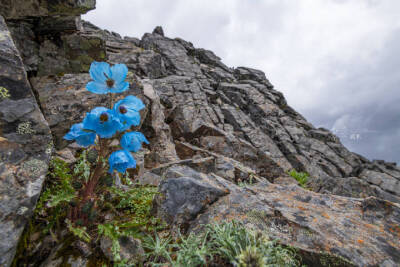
{"points": [[88, 192]]}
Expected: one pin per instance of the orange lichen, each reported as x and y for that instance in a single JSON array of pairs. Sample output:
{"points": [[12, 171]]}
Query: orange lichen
{"points": [[360, 241], [326, 215]]}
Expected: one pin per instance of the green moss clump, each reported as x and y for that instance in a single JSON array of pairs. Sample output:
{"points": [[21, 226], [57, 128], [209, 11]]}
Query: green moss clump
{"points": [[301, 177]]}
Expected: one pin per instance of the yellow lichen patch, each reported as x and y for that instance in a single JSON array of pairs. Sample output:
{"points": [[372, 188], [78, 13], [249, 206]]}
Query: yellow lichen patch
{"points": [[4, 93], [25, 128]]}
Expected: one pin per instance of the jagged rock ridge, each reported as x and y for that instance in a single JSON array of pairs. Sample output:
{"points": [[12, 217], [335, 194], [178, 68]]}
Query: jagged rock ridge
{"points": [[211, 127]]}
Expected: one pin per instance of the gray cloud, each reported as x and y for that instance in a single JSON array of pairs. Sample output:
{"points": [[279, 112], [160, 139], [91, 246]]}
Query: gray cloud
{"points": [[336, 61]]}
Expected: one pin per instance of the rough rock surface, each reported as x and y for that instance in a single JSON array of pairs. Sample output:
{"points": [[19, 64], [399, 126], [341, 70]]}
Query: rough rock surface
{"points": [[365, 231], [131, 249], [25, 147], [17, 9], [211, 128]]}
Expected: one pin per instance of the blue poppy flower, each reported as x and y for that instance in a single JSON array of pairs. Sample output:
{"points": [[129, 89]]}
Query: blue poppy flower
{"points": [[82, 137], [132, 141], [121, 160], [103, 121], [127, 110], [107, 79]]}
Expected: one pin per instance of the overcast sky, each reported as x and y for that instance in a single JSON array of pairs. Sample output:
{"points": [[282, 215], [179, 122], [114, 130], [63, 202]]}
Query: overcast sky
{"points": [[336, 61]]}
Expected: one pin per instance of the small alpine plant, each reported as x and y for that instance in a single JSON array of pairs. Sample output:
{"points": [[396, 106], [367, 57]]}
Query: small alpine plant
{"points": [[102, 124]]}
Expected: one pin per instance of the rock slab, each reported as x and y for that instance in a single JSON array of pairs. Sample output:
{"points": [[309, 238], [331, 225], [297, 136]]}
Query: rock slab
{"points": [[25, 147]]}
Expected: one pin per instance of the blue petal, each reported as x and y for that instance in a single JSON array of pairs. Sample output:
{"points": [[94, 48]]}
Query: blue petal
{"points": [[121, 160], [97, 71], [120, 87], [133, 102], [119, 72], [97, 88], [103, 129], [81, 136], [86, 139], [132, 141], [132, 117], [124, 126]]}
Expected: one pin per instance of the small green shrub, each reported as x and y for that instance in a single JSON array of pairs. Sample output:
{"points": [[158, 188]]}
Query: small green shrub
{"points": [[225, 243], [193, 250], [158, 249], [301, 177], [79, 232], [233, 242]]}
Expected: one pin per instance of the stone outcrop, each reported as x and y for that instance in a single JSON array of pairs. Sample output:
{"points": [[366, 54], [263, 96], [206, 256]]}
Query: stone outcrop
{"points": [[222, 140], [365, 231], [21, 9], [25, 147]]}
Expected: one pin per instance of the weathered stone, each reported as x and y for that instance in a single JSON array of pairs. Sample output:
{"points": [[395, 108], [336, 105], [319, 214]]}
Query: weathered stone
{"points": [[24, 38], [158, 30], [208, 57], [25, 147], [131, 249], [66, 155], [185, 193], [347, 227], [243, 73], [17, 9], [158, 132], [54, 25], [75, 54]]}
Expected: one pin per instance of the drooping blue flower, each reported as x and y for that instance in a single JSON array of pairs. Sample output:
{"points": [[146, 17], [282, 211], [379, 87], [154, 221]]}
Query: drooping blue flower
{"points": [[127, 110], [132, 141], [107, 79], [82, 137], [103, 121], [121, 160]]}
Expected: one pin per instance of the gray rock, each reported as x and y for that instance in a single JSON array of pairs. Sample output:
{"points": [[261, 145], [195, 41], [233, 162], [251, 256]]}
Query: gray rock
{"points": [[25, 147], [17, 9], [184, 194], [131, 249], [149, 178], [24, 38], [158, 30]]}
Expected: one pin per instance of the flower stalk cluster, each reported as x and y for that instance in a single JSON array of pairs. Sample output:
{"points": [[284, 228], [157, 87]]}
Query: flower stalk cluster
{"points": [[103, 123]]}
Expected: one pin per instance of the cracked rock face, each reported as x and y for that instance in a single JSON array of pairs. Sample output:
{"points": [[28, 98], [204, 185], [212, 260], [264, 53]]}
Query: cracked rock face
{"points": [[221, 140], [25, 147]]}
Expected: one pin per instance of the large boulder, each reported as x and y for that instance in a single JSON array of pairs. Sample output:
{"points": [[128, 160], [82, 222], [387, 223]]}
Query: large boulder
{"points": [[25, 147]]}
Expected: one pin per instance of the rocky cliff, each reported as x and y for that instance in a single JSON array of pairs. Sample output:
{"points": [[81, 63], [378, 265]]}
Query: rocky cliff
{"points": [[211, 128]]}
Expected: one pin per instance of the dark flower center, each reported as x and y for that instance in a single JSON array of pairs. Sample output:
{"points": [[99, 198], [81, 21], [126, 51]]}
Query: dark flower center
{"points": [[110, 83], [104, 117], [122, 109]]}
